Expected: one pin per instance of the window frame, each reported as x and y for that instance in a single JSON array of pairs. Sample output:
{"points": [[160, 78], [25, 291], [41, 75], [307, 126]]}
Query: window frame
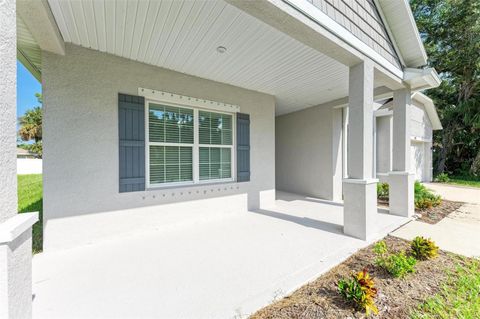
{"points": [[195, 147]]}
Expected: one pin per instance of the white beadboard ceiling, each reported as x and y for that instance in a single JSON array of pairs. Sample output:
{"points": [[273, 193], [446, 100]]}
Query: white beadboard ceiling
{"points": [[183, 36]]}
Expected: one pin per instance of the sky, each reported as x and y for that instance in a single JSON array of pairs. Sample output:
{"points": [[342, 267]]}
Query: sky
{"points": [[27, 86]]}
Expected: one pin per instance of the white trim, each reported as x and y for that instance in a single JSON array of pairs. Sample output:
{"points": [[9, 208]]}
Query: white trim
{"points": [[389, 32], [419, 139], [325, 21], [360, 181], [187, 101], [195, 146], [429, 108], [16, 225], [421, 79]]}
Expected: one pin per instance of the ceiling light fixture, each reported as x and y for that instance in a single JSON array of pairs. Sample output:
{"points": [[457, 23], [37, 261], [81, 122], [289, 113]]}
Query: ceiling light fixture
{"points": [[221, 49]]}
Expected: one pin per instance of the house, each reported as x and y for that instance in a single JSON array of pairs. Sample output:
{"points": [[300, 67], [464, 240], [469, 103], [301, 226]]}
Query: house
{"points": [[181, 108], [23, 153], [423, 120]]}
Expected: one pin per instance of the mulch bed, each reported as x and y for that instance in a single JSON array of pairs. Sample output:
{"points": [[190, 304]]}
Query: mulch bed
{"points": [[435, 214], [431, 215], [396, 297]]}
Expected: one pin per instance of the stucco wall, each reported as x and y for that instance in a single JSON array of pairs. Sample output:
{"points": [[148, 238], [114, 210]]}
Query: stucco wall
{"points": [[80, 141], [421, 136], [384, 144], [307, 157], [8, 109]]}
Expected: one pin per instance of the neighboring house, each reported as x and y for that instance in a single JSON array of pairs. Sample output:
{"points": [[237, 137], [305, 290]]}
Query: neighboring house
{"points": [[23, 153], [423, 120], [160, 107], [28, 162]]}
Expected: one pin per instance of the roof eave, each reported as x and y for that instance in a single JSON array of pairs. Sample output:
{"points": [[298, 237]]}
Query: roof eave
{"points": [[429, 108], [401, 22]]}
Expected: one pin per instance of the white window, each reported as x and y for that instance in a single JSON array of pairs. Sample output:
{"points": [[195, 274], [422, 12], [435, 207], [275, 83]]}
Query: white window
{"points": [[187, 145]]}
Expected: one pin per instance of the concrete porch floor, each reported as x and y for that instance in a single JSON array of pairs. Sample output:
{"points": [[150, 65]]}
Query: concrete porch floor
{"points": [[223, 268]]}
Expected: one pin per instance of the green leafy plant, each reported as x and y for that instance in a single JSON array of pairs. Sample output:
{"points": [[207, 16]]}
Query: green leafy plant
{"points": [[382, 191], [424, 198], [396, 264], [360, 291], [442, 178], [423, 248]]}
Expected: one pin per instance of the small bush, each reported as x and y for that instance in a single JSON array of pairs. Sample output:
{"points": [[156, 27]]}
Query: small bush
{"points": [[382, 191], [442, 178], [423, 248], [360, 291], [396, 264], [424, 198]]}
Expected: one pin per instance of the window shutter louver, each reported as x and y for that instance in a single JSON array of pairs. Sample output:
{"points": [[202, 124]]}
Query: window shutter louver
{"points": [[243, 147], [131, 129]]}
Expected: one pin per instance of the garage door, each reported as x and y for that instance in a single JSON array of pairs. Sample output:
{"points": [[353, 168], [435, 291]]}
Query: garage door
{"points": [[417, 152]]}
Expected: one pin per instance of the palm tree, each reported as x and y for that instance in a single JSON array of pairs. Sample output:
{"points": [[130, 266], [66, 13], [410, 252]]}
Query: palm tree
{"points": [[31, 123]]}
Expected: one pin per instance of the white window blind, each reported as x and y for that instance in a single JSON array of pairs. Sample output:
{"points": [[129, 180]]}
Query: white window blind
{"points": [[182, 151], [171, 144]]}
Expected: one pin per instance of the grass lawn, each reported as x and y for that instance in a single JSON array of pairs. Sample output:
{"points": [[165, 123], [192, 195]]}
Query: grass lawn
{"points": [[459, 296], [471, 181], [30, 199]]}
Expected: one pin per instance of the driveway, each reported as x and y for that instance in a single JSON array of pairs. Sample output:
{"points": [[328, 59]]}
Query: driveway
{"points": [[458, 232], [223, 268]]}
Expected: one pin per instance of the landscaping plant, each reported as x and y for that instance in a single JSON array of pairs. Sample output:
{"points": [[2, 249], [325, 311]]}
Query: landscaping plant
{"points": [[423, 248], [360, 291], [424, 198], [382, 191], [442, 178], [396, 264]]}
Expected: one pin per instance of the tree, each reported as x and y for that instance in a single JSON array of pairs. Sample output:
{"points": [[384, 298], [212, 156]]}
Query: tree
{"points": [[450, 30], [31, 127]]}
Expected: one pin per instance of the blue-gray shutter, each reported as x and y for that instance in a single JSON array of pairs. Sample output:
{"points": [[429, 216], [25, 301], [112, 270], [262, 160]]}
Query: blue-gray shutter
{"points": [[243, 147], [131, 131]]}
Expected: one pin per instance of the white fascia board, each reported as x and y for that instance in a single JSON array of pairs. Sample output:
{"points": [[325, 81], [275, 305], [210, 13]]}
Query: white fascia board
{"points": [[37, 74], [429, 108], [389, 32], [334, 27], [182, 100], [397, 12], [38, 18]]}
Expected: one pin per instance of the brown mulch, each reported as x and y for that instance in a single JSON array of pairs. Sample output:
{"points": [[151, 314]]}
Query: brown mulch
{"points": [[435, 214], [431, 215], [396, 297]]}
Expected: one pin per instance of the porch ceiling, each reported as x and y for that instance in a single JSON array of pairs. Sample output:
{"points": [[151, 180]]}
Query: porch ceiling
{"points": [[184, 35]]}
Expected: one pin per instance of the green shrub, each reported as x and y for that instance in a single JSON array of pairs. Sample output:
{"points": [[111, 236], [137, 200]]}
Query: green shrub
{"points": [[382, 191], [424, 198], [423, 248], [396, 264], [360, 291], [442, 178]]}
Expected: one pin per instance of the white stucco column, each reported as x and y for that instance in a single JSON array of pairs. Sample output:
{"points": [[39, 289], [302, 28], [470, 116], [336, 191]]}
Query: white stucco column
{"points": [[15, 230], [401, 180], [360, 200]]}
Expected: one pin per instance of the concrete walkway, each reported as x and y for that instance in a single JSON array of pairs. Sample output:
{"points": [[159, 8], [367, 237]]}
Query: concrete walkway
{"points": [[224, 268], [460, 231]]}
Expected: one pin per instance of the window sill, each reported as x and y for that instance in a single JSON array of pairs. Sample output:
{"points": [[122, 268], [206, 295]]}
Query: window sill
{"points": [[190, 185]]}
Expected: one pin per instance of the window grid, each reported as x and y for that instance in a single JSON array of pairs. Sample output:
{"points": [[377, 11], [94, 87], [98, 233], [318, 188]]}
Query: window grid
{"points": [[220, 130]]}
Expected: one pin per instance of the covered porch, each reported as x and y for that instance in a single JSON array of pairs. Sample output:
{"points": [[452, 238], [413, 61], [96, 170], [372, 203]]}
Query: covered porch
{"points": [[226, 266], [265, 58]]}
